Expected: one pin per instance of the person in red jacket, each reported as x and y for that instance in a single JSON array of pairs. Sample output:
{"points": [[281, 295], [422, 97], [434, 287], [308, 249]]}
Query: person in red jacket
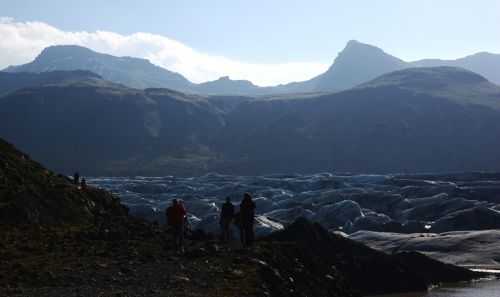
{"points": [[176, 217]]}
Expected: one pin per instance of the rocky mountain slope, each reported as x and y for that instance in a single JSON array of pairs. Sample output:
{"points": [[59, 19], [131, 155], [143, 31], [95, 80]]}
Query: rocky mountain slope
{"points": [[132, 72], [31, 194], [10, 82], [93, 122], [412, 120], [385, 126], [356, 64]]}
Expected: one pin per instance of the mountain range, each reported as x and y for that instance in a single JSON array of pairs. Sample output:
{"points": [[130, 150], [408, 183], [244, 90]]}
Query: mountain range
{"points": [[355, 64], [77, 110], [410, 120]]}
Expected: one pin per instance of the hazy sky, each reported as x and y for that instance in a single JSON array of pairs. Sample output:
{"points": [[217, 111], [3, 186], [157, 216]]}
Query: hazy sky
{"points": [[266, 41]]}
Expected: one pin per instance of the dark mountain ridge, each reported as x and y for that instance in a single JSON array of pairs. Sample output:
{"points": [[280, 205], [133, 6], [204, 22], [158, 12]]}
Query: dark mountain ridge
{"points": [[414, 120], [383, 127], [14, 81]]}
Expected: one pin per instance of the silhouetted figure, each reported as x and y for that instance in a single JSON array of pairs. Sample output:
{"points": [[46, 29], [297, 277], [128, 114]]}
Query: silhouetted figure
{"points": [[83, 183], [76, 178], [176, 216], [226, 217], [246, 216]]}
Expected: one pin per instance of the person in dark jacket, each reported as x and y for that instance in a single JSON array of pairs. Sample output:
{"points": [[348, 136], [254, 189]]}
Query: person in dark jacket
{"points": [[247, 214], [176, 218], [83, 184], [76, 178], [226, 217]]}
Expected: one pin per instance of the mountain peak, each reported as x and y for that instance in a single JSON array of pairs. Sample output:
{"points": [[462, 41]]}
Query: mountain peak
{"points": [[357, 63], [66, 47], [355, 47], [354, 43], [58, 51], [133, 72]]}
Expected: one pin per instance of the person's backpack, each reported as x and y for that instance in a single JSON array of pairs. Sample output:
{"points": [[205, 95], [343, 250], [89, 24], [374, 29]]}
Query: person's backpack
{"points": [[227, 211]]}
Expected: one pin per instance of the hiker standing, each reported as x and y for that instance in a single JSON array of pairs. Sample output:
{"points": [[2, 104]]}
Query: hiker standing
{"points": [[226, 217], [76, 178], [247, 214], [83, 184], [176, 216]]}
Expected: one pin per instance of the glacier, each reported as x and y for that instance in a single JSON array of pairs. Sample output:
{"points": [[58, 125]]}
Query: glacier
{"points": [[348, 203]]}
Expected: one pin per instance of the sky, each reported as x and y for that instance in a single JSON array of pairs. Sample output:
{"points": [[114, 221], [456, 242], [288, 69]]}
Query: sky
{"points": [[265, 41]]}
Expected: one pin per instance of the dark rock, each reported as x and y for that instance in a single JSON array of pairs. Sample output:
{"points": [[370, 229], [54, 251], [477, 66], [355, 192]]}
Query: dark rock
{"points": [[367, 270]]}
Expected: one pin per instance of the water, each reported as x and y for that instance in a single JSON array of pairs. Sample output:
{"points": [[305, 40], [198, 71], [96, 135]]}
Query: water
{"points": [[476, 289]]}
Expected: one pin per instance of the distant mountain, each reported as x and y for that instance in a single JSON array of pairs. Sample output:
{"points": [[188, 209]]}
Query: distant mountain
{"points": [[93, 125], [357, 63], [132, 72], [225, 85], [412, 120], [486, 64]]}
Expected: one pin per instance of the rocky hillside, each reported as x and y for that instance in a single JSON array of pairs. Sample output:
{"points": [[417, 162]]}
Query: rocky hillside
{"points": [[396, 123], [414, 120], [10, 82], [94, 123], [31, 194], [303, 260]]}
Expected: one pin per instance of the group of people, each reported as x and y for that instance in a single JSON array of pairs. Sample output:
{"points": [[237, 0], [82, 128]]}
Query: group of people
{"points": [[244, 220]]}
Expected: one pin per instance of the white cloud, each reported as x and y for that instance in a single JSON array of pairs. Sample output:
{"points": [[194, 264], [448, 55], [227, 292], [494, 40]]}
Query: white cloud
{"points": [[21, 42]]}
